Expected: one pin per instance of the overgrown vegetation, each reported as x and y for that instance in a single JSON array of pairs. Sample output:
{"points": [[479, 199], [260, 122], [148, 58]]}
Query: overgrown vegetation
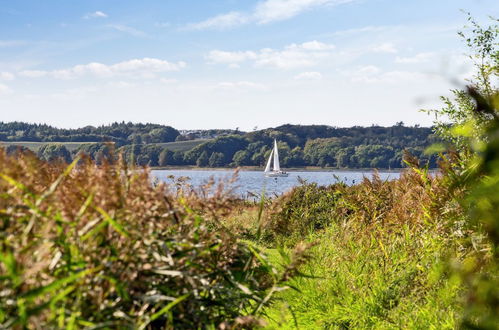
{"points": [[99, 245], [89, 246]]}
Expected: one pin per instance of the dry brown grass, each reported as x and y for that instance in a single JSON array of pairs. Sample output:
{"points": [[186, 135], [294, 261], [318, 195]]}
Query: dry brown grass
{"points": [[92, 246]]}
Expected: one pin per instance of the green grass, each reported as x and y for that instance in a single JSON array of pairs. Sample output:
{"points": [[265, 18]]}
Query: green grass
{"points": [[382, 283], [182, 145], [34, 146], [71, 146]]}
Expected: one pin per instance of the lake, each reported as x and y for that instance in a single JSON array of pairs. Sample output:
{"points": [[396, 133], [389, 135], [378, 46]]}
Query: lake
{"points": [[251, 183]]}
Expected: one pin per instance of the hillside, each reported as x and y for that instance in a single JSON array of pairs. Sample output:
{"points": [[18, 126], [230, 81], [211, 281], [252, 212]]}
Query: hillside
{"points": [[299, 145]]}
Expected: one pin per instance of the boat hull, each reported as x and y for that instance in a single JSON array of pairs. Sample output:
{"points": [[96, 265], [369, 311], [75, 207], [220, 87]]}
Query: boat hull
{"points": [[276, 174]]}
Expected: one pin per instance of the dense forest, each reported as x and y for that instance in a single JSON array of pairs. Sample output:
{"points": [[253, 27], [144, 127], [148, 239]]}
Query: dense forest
{"points": [[120, 133], [314, 145]]}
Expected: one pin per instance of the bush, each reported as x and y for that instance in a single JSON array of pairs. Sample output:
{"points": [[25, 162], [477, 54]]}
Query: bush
{"points": [[305, 209]]}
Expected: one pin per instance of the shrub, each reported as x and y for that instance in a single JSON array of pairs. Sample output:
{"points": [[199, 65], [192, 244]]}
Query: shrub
{"points": [[306, 208]]}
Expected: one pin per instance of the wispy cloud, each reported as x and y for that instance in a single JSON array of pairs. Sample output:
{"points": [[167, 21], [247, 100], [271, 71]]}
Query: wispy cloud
{"points": [[4, 89], [96, 14], [127, 29], [6, 76], [372, 74], [311, 75], [223, 21], [277, 10], [292, 56], [386, 47], [241, 85], [264, 12], [364, 29], [33, 73], [418, 58], [145, 67]]}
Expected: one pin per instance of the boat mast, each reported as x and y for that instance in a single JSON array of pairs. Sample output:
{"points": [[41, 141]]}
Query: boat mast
{"points": [[267, 168], [277, 168]]}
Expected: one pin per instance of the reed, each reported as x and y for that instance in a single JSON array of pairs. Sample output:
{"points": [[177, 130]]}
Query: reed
{"points": [[87, 246]]}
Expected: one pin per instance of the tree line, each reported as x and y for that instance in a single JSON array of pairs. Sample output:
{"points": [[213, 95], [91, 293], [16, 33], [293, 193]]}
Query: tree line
{"points": [[119, 133], [312, 145]]}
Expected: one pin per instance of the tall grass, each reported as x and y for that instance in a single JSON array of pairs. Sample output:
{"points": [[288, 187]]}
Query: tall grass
{"points": [[105, 247], [381, 254], [86, 246]]}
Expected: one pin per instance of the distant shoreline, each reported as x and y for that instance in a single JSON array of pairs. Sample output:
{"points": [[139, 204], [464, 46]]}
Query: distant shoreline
{"points": [[292, 169]]}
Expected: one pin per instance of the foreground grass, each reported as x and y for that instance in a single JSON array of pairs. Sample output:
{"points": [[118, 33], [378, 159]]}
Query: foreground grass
{"points": [[100, 246], [379, 258], [86, 246], [391, 281]]}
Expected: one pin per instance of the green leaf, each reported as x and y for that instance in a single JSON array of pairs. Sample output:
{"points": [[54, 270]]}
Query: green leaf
{"points": [[15, 183], [37, 292], [164, 310], [435, 148], [119, 228]]}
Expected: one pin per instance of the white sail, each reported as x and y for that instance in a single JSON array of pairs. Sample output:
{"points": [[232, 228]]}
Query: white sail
{"points": [[277, 167], [267, 168], [274, 157]]}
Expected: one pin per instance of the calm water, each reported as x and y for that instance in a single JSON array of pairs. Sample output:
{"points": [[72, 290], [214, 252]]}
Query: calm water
{"points": [[251, 183]]}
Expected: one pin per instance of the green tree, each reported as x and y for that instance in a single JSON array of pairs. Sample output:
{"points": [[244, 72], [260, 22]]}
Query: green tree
{"points": [[202, 160], [459, 110], [163, 134], [165, 158], [54, 151], [241, 158], [178, 158], [216, 159]]}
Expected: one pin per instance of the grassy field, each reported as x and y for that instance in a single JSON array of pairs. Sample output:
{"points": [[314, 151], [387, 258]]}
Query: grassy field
{"points": [[182, 145], [34, 146], [71, 146]]}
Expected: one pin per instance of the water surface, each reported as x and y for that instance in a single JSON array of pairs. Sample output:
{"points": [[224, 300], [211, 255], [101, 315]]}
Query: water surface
{"points": [[252, 183]]}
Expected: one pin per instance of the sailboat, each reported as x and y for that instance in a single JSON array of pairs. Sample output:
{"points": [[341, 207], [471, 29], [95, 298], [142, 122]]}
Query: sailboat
{"points": [[276, 171]]}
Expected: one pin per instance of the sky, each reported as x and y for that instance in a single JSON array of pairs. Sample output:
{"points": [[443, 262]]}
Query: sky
{"points": [[198, 64]]}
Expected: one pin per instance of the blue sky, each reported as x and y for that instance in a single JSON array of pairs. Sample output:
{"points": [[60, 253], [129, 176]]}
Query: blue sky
{"points": [[231, 63]]}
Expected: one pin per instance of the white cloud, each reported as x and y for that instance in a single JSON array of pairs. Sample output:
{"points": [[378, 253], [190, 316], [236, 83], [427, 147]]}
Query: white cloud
{"points": [[312, 75], [241, 85], [145, 67], [168, 81], [223, 21], [33, 73], [96, 14], [278, 10], [365, 29], [418, 58], [220, 56], [4, 89], [313, 45], [266, 11], [368, 70], [6, 76], [371, 74], [120, 84], [292, 56], [386, 47], [127, 29]]}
